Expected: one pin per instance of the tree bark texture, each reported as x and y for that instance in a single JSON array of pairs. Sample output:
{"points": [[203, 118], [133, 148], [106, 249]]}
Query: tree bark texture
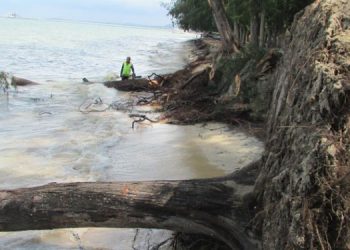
{"points": [[230, 43], [212, 207]]}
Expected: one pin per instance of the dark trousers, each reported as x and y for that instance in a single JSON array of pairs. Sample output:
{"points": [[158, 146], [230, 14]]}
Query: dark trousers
{"points": [[125, 78]]}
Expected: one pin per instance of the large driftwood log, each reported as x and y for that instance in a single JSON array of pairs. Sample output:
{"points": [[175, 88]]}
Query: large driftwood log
{"points": [[17, 81], [131, 85], [213, 207]]}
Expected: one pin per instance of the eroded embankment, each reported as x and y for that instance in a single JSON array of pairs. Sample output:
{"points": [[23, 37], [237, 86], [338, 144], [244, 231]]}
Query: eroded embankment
{"points": [[303, 186]]}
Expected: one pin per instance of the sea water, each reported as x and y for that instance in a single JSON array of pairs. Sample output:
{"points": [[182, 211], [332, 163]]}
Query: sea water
{"points": [[64, 50], [45, 138]]}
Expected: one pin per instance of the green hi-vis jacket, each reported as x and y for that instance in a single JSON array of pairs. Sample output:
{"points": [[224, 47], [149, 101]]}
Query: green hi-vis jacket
{"points": [[126, 69]]}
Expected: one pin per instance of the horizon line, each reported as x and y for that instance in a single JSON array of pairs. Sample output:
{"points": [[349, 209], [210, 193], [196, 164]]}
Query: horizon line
{"points": [[166, 26]]}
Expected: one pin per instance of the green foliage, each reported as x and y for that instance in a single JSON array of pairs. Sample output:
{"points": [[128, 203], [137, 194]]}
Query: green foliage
{"points": [[192, 15], [255, 94], [196, 14], [280, 13], [250, 52], [225, 70], [228, 67], [238, 11]]}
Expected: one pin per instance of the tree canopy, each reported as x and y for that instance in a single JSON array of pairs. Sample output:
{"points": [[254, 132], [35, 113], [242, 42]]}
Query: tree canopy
{"points": [[192, 15], [264, 18]]}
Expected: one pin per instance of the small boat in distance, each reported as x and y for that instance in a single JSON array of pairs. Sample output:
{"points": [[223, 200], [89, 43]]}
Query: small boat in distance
{"points": [[12, 15]]}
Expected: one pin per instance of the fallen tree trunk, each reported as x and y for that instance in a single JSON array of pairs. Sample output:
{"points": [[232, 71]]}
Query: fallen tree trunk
{"points": [[175, 205], [131, 85], [17, 81]]}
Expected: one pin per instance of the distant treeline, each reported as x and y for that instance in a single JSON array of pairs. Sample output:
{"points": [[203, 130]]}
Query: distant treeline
{"points": [[258, 22]]}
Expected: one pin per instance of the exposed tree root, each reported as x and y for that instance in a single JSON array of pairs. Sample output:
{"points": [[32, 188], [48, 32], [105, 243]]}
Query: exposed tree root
{"points": [[140, 118]]}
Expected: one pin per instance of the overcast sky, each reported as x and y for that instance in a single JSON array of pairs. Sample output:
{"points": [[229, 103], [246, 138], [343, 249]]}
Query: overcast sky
{"points": [[145, 12]]}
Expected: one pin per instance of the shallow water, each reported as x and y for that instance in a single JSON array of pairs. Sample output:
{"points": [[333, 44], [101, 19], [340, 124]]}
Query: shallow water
{"points": [[45, 138]]}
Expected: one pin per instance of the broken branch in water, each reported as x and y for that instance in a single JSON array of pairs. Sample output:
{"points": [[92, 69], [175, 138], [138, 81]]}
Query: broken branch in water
{"points": [[142, 118], [123, 105], [145, 100]]}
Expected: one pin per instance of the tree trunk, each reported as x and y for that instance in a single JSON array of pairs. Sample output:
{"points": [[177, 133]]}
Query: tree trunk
{"points": [[236, 31], [230, 44], [262, 29], [136, 85], [268, 39], [17, 81], [255, 8], [213, 207], [254, 30], [274, 39], [243, 36]]}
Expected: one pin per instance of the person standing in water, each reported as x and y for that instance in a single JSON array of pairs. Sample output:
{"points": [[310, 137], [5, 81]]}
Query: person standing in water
{"points": [[126, 69]]}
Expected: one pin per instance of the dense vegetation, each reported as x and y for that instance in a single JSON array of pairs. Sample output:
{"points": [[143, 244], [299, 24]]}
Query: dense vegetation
{"points": [[259, 22], [189, 18]]}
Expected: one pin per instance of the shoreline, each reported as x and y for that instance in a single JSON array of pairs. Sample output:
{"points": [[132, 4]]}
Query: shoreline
{"points": [[186, 96]]}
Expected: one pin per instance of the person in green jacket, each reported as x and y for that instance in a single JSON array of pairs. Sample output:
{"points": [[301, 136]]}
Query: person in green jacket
{"points": [[126, 69]]}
